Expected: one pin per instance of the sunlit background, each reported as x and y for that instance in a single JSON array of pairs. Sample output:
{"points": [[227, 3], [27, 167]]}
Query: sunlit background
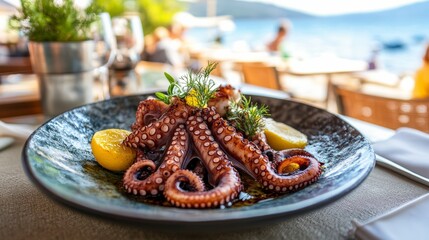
{"points": [[352, 29], [390, 36]]}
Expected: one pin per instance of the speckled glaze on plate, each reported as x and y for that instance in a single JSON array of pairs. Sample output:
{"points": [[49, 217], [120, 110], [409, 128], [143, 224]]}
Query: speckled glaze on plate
{"points": [[57, 157]]}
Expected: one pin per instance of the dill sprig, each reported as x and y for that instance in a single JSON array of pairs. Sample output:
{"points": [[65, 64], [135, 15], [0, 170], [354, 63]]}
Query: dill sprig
{"points": [[202, 87], [247, 117], [197, 85]]}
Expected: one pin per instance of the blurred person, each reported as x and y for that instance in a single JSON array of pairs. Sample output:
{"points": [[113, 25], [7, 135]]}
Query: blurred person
{"points": [[177, 31], [153, 52], [149, 47], [164, 46], [177, 35], [421, 84], [373, 61], [282, 32]]}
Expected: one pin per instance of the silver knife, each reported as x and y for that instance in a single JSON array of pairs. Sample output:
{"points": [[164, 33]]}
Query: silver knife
{"points": [[401, 170]]}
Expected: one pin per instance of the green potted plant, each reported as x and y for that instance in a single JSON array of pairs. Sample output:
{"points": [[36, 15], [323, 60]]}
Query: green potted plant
{"points": [[62, 50], [50, 25]]}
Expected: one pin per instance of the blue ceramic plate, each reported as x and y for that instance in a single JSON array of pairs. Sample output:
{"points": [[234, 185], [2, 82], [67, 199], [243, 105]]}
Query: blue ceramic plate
{"points": [[58, 159]]}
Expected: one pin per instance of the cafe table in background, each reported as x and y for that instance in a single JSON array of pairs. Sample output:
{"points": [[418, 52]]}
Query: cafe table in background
{"points": [[327, 66], [26, 213]]}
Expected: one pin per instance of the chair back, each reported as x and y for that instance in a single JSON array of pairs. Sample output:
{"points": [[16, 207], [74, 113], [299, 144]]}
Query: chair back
{"points": [[261, 75], [383, 111]]}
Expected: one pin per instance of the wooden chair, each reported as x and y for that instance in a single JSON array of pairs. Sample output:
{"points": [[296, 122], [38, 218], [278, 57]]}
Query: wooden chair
{"points": [[260, 74], [383, 111]]}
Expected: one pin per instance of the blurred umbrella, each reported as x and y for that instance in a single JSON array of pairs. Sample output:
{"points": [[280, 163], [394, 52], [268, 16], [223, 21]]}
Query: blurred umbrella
{"points": [[188, 20]]}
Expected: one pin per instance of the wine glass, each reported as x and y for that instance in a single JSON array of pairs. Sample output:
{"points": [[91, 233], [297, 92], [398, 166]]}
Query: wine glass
{"points": [[129, 37], [106, 44], [106, 51]]}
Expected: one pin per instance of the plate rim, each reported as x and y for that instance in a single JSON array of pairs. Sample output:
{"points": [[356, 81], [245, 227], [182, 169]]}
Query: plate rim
{"points": [[252, 215]]}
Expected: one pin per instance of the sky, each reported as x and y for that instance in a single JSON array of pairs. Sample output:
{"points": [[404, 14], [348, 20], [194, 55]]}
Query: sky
{"points": [[336, 7]]}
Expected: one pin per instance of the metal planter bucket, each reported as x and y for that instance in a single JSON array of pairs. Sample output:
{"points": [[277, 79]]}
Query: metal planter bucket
{"points": [[66, 72]]}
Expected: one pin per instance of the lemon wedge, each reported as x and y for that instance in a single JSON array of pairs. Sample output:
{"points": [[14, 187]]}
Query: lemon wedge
{"points": [[281, 136], [109, 151]]}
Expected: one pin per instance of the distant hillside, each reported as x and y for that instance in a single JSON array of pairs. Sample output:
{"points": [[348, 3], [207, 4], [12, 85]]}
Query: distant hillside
{"points": [[244, 9], [241, 9], [415, 10]]}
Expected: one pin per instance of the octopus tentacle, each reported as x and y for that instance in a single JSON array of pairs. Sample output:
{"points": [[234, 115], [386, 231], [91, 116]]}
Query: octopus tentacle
{"points": [[223, 176], [156, 134], [248, 154], [260, 140], [147, 111], [140, 155], [173, 160], [280, 155], [297, 157], [133, 173]]}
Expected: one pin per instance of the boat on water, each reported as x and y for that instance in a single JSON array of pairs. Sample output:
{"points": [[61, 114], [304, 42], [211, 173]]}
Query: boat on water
{"points": [[394, 45]]}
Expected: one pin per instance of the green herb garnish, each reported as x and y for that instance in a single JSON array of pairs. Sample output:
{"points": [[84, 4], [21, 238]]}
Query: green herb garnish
{"points": [[196, 87], [175, 89], [247, 117]]}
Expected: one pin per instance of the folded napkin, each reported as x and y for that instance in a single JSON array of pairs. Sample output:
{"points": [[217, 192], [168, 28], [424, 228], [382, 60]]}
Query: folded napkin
{"points": [[408, 148], [406, 222], [19, 131], [5, 142]]}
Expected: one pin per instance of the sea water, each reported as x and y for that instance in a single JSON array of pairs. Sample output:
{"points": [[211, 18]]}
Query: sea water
{"points": [[346, 36]]}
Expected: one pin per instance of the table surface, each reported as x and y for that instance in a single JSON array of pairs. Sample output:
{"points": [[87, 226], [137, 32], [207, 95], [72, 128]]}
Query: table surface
{"points": [[27, 213]]}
